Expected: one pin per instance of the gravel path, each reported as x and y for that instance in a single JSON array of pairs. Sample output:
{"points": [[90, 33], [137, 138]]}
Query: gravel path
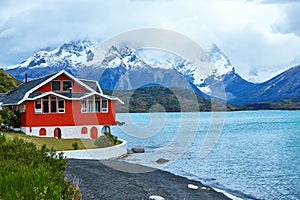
{"points": [[99, 181]]}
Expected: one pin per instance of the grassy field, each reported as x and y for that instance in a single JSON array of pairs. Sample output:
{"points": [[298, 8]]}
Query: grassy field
{"points": [[60, 144]]}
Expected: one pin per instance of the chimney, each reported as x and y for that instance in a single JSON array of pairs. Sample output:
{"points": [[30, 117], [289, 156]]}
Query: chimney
{"points": [[26, 79]]}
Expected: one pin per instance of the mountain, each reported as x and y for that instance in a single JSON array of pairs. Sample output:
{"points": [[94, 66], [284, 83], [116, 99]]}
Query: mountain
{"points": [[7, 82], [125, 68], [282, 86], [70, 57]]}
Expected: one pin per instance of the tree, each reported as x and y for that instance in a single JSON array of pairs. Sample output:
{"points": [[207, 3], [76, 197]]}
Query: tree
{"points": [[9, 118]]}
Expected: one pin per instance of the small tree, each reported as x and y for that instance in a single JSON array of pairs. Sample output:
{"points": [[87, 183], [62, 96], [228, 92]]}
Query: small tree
{"points": [[9, 118]]}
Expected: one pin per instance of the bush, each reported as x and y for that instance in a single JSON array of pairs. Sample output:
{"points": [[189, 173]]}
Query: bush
{"points": [[112, 138], [103, 141], [10, 118], [75, 145], [30, 173]]}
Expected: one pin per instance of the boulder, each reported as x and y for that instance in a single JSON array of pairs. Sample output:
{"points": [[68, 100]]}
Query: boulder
{"points": [[138, 150], [162, 161]]}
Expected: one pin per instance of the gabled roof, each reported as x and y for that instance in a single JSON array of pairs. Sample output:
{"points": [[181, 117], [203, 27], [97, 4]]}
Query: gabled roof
{"points": [[26, 91], [17, 94], [92, 84]]}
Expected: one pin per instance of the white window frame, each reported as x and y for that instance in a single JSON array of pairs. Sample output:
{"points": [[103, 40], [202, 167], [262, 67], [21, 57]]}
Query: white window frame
{"points": [[104, 109], [61, 110], [40, 110], [83, 109]]}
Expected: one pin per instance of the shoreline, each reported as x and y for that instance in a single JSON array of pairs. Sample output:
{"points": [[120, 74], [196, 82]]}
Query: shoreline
{"points": [[101, 180]]}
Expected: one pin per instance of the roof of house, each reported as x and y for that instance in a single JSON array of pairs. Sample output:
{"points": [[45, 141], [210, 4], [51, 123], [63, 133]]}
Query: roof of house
{"points": [[26, 91], [18, 93], [92, 84]]}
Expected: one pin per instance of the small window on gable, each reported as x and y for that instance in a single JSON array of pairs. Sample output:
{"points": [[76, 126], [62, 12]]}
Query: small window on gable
{"points": [[55, 85], [67, 85]]}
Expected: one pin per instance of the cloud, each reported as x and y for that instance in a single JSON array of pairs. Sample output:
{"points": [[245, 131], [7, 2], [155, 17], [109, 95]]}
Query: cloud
{"points": [[251, 33], [289, 21], [280, 1]]}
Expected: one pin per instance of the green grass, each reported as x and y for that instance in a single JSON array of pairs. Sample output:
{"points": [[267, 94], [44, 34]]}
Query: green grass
{"points": [[60, 144]]}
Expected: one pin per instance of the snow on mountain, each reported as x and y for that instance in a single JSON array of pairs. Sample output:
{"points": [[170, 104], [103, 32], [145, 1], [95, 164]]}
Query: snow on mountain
{"points": [[124, 68], [262, 74], [220, 60], [167, 60], [69, 56]]}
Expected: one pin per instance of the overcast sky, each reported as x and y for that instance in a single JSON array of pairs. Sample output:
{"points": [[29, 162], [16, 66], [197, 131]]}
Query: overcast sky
{"points": [[261, 34]]}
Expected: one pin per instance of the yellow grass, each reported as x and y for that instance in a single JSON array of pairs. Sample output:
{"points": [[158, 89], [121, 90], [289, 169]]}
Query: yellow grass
{"points": [[57, 144]]}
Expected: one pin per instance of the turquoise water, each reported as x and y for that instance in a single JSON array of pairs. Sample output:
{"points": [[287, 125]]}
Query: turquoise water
{"points": [[252, 154]]}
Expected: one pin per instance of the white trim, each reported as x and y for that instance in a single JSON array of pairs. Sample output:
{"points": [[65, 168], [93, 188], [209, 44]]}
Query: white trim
{"points": [[53, 77], [99, 153], [92, 92], [66, 131]]}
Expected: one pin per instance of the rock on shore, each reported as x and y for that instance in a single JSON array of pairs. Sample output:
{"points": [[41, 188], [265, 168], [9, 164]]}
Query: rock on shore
{"points": [[97, 180]]}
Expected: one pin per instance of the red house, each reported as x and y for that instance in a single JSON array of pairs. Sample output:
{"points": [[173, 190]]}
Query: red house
{"points": [[62, 106]]}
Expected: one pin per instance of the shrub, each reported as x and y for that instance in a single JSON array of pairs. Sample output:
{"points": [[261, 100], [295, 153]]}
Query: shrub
{"points": [[103, 141], [75, 145], [112, 138], [27, 172], [10, 118]]}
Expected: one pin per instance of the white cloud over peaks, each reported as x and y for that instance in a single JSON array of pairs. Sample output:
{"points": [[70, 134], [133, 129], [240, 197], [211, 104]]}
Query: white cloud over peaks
{"points": [[253, 33]]}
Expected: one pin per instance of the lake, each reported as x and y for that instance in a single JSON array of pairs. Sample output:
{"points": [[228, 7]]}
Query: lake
{"points": [[251, 154]]}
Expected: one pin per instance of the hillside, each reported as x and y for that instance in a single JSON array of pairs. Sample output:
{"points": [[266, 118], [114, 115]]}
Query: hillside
{"points": [[285, 104], [161, 99], [7, 82]]}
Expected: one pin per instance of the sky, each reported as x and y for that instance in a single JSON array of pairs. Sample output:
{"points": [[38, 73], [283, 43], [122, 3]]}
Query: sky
{"points": [[256, 35]]}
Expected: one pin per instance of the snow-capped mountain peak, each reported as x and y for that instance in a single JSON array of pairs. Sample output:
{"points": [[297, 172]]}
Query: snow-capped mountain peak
{"points": [[122, 56], [220, 60], [70, 57]]}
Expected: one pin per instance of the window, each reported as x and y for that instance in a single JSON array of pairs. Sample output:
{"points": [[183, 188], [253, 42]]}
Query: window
{"points": [[104, 105], [42, 132], [45, 105], [97, 104], [67, 85], [53, 105], [50, 104], [61, 105], [91, 104], [22, 107], [55, 85], [38, 106], [83, 106], [94, 104], [84, 130]]}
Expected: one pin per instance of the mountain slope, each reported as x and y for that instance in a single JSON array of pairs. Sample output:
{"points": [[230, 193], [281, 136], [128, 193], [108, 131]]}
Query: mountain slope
{"points": [[285, 85], [162, 99], [7, 82]]}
